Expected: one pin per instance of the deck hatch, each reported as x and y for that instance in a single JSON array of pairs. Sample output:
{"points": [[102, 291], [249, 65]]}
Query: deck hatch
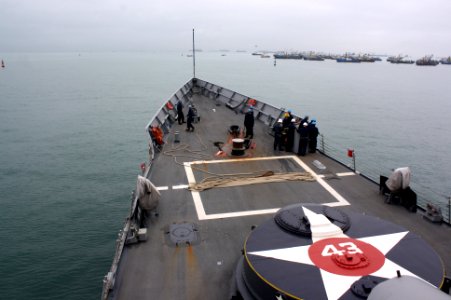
{"points": [[182, 234]]}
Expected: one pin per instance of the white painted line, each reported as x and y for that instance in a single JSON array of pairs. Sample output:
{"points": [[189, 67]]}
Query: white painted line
{"points": [[240, 159], [338, 174], [179, 187], [345, 174], [196, 196], [325, 185], [162, 188], [239, 214]]}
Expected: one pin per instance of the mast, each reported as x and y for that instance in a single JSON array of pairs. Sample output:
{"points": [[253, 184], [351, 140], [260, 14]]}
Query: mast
{"points": [[194, 58]]}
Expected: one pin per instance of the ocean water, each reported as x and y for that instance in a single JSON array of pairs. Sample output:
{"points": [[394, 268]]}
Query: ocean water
{"points": [[72, 139]]}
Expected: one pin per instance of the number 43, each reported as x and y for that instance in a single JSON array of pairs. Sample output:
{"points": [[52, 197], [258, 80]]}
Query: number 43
{"points": [[348, 247]]}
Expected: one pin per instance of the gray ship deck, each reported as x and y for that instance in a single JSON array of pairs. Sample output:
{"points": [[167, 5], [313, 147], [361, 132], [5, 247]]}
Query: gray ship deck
{"points": [[157, 269]]}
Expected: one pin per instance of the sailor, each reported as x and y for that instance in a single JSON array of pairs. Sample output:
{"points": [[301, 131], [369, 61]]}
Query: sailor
{"points": [[180, 115], [313, 136], [304, 120], [287, 119], [249, 123], [148, 198], [290, 135], [278, 129], [303, 139], [190, 119]]}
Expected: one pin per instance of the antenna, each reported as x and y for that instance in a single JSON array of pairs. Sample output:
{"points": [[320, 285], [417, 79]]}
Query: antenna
{"points": [[194, 58]]}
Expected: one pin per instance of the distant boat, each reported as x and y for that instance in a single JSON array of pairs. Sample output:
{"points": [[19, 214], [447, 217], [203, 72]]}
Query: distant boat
{"points": [[348, 59], [265, 56], [313, 56], [446, 60], [189, 55], [284, 55], [367, 58], [427, 61], [256, 53], [400, 60]]}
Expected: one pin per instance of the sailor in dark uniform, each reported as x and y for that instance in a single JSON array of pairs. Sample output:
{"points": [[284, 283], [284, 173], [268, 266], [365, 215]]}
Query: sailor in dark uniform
{"points": [[313, 136], [249, 123], [290, 135], [287, 119], [190, 119], [303, 139], [180, 115], [278, 129]]}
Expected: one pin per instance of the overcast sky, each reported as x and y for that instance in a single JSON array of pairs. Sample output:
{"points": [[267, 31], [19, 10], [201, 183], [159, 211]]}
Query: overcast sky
{"points": [[415, 27]]}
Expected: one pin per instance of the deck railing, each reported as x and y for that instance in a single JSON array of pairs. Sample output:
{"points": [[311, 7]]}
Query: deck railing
{"points": [[372, 170]]}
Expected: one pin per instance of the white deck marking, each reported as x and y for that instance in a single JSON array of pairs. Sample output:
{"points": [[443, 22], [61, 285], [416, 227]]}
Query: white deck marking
{"points": [[345, 174], [202, 215], [179, 187], [338, 174], [162, 188], [341, 201], [240, 159], [239, 214]]}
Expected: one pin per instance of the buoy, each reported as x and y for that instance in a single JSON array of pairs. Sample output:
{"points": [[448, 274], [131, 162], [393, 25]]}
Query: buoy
{"points": [[350, 152], [143, 167], [3, 64]]}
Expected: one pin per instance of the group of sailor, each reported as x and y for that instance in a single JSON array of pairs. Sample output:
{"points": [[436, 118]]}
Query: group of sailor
{"points": [[285, 130], [189, 117]]}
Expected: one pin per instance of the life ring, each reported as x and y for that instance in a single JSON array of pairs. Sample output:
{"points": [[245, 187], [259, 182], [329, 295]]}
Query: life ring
{"points": [[251, 102], [169, 105]]}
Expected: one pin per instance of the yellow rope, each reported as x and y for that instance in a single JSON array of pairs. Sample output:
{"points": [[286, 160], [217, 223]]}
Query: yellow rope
{"points": [[266, 177]]}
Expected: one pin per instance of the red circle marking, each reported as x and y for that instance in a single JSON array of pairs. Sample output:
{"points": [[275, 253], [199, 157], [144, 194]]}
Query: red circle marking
{"points": [[325, 254]]}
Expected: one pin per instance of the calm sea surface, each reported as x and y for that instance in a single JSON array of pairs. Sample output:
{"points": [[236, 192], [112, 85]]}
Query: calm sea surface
{"points": [[72, 138]]}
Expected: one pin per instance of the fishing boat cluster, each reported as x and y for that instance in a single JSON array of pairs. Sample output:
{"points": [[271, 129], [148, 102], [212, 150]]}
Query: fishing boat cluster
{"points": [[427, 60]]}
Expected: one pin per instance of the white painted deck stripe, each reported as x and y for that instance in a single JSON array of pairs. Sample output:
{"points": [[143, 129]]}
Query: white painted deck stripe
{"points": [[339, 174], [240, 214], [196, 196], [162, 188], [240, 159], [345, 174], [180, 186], [325, 185]]}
